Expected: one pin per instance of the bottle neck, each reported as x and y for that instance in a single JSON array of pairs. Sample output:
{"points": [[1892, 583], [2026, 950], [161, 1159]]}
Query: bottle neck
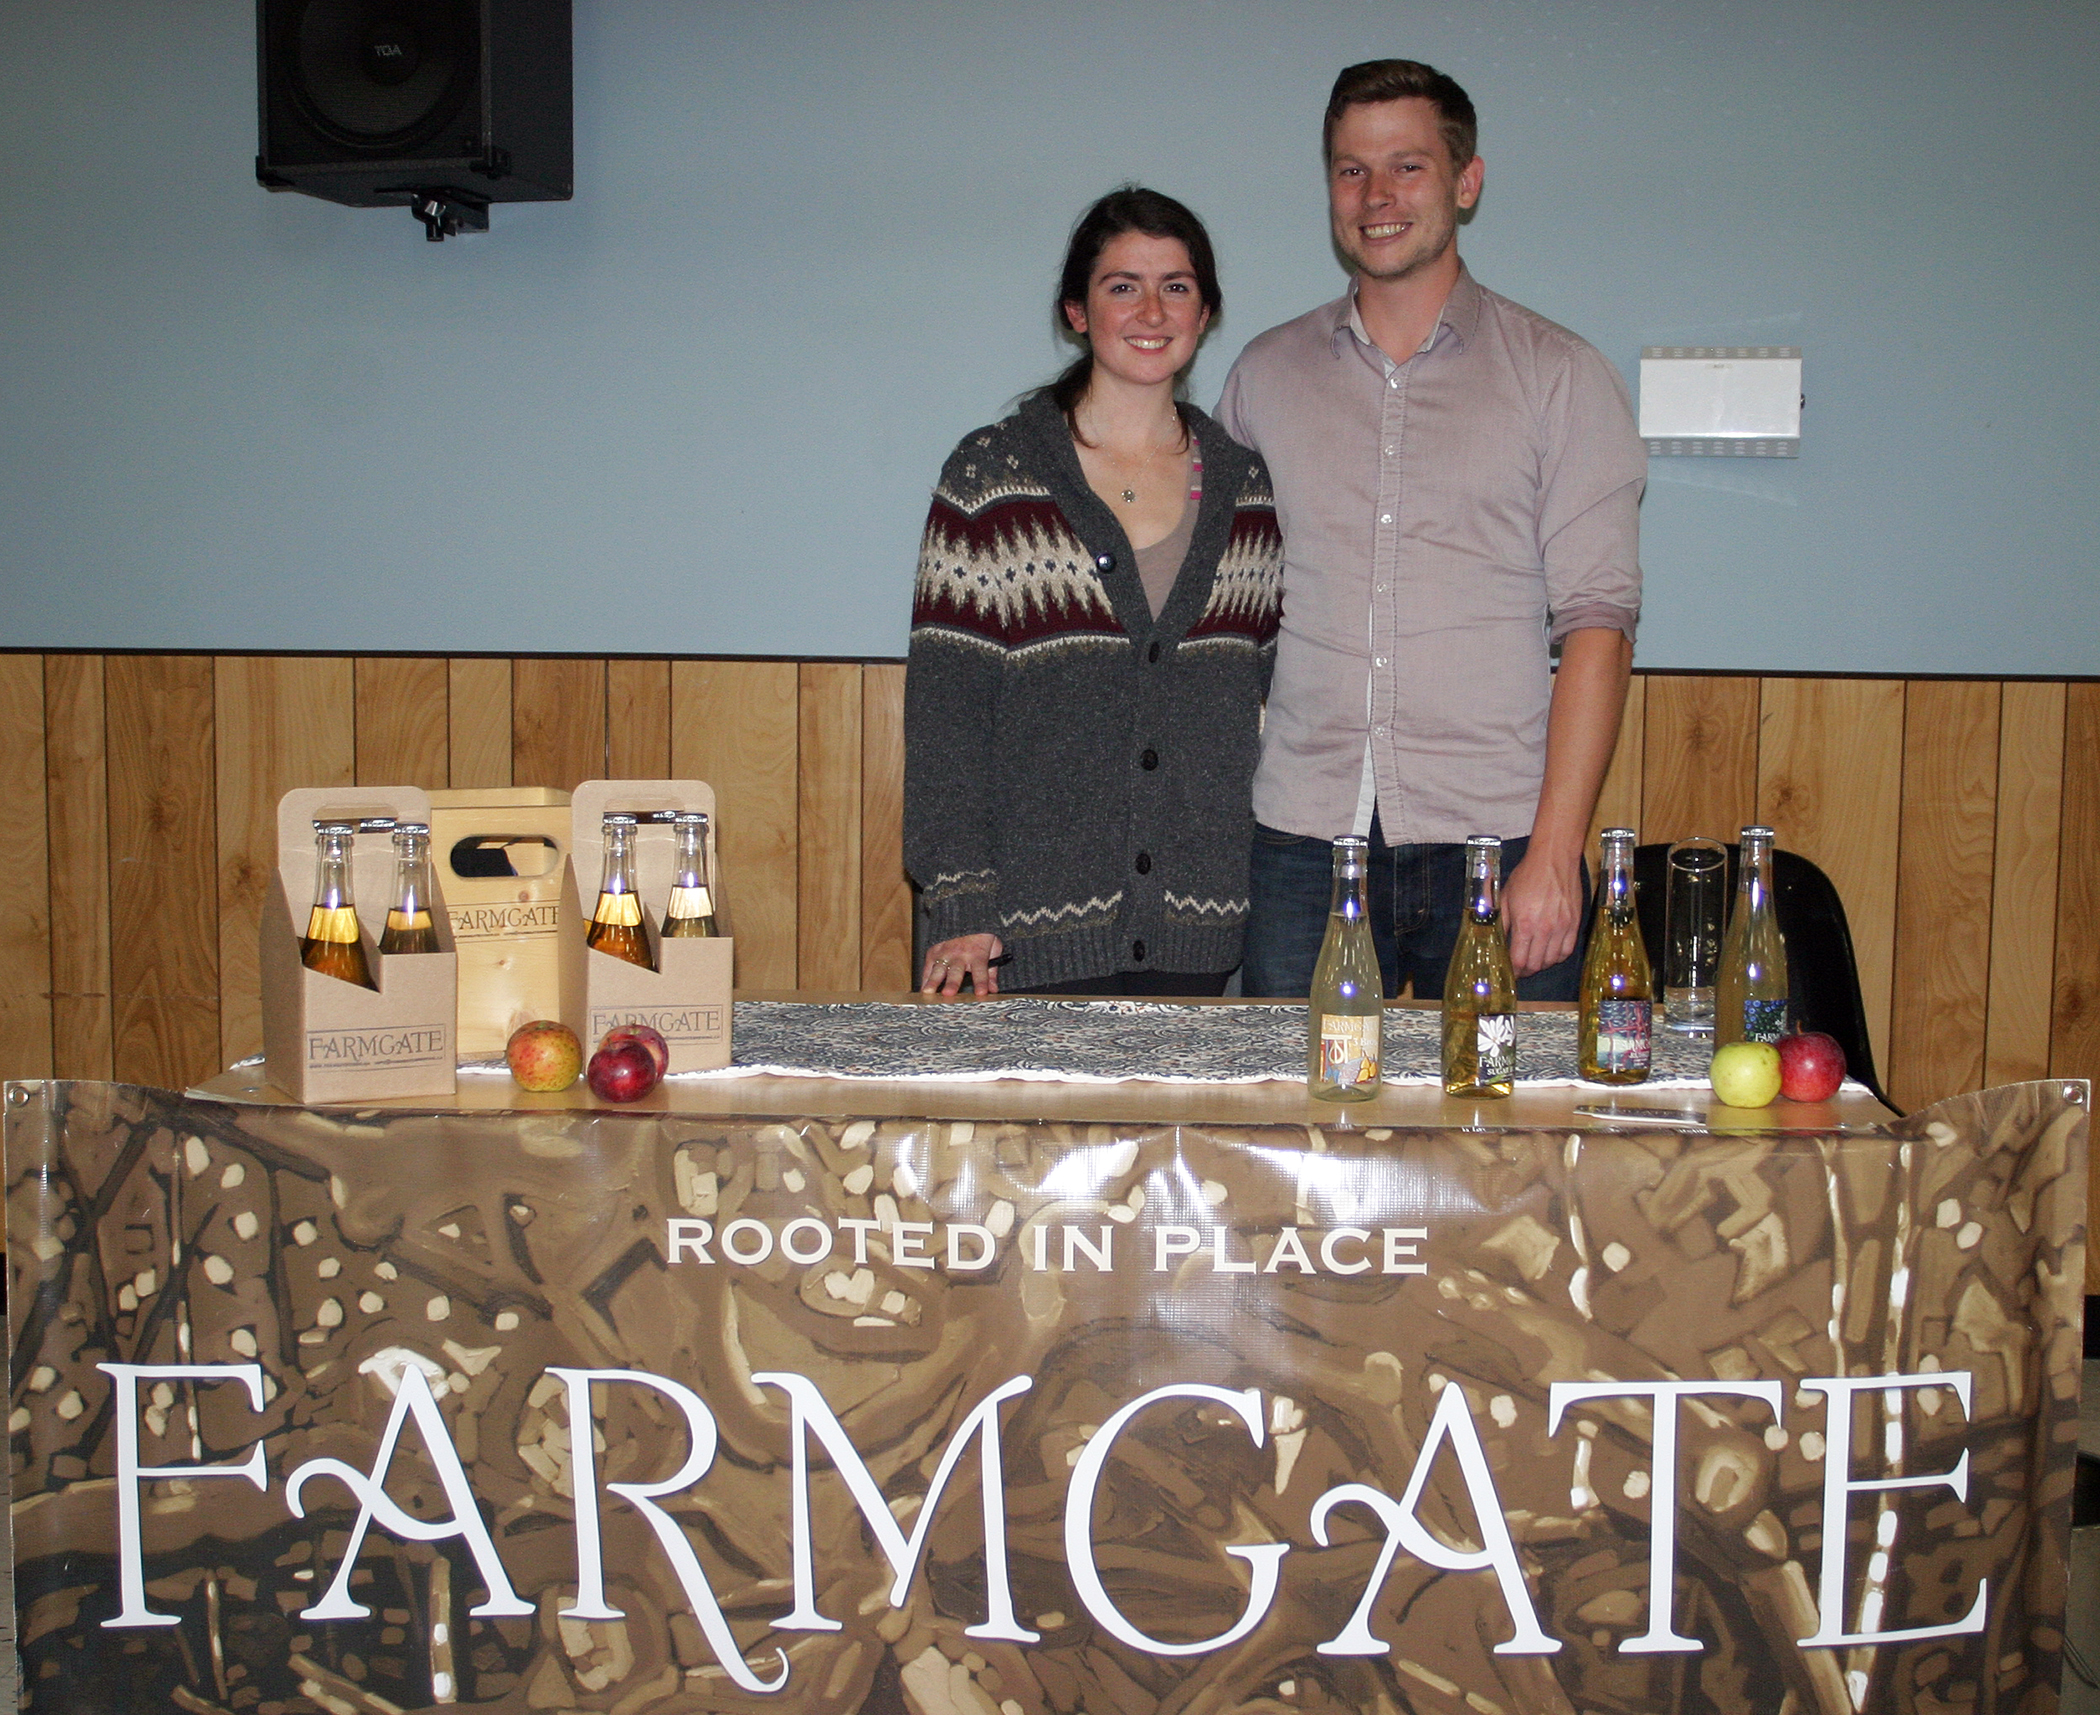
{"points": [[1754, 885], [411, 873], [1483, 884], [619, 861], [332, 872], [689, 866], [1617, 880]]}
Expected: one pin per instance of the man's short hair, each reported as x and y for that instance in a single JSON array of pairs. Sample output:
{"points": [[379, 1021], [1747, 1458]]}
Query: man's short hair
{"points": [[1403, 80]]}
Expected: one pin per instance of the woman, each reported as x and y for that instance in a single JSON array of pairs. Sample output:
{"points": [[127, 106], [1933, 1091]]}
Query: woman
{"points": [[1092, 634]]}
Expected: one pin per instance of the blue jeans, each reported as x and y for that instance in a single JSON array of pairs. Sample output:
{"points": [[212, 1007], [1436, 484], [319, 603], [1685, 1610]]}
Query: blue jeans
{"points": [[1417, 895]]}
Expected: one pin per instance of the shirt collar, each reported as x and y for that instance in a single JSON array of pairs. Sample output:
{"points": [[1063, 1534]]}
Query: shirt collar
{"points": [[1458, 318]]}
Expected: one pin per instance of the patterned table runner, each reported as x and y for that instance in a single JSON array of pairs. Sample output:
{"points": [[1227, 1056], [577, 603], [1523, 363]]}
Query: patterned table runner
{"points": [[1121, 1041]]}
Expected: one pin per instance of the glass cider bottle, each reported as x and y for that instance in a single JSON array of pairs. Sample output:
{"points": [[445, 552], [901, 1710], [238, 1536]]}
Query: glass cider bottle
{"points": [[692, 907], [409, 928], [1480, 988], [331, 945], [1616, 1014], [1750, 1004], [616, 924], [1347, 1008]]}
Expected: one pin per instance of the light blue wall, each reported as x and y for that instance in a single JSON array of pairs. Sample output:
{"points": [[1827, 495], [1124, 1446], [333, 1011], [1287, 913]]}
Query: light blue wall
{"points": [[698, 409]]}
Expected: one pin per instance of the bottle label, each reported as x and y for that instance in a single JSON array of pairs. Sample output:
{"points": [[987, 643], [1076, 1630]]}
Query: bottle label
{"points": [[1764, 1020], [1622, 1035], [1349, 1049], [1495, 1045]]}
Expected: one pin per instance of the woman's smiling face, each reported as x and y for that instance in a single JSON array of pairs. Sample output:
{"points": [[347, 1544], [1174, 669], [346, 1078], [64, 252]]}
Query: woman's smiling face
{"points": [[1144, 313]]}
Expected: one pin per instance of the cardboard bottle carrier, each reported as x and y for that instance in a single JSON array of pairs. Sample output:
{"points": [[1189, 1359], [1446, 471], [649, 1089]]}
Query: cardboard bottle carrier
{"points": [[327, 1040], [687, 995], [498, 851]]}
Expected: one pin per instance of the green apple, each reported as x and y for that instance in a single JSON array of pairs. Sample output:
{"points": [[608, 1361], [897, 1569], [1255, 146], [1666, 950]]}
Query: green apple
{"points": [[1745, 1074]]}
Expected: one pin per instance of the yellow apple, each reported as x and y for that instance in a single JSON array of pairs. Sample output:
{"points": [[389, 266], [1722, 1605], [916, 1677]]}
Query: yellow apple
{"points": [[1745, 1074]]}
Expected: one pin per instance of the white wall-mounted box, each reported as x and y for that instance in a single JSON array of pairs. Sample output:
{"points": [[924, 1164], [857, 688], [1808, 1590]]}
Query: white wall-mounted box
{"points": [[1703, 401]]}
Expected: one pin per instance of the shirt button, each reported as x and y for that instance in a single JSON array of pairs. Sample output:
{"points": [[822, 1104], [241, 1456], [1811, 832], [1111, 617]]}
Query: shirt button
{"points": [[1381, 589], [1137, 951], [1381, 661], [1388, 452], [1144, 863], [1149, 761], [1152, 654], [1385, 518], [1106, 562]]}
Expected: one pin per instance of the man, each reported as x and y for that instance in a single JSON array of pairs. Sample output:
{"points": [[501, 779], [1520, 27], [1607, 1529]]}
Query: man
{"points": [[1458, 482]]}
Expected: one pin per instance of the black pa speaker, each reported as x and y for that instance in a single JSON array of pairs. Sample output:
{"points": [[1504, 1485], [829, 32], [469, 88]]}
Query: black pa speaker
{"points": [[439, 106]]}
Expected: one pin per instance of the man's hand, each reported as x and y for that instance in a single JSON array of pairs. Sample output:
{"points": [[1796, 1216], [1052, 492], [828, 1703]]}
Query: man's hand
{"points": [[948, 962], [1542, 896], [1542, 912]]}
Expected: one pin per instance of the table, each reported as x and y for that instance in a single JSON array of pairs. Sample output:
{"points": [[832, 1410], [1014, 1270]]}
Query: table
{"points": [[938, 1399]]}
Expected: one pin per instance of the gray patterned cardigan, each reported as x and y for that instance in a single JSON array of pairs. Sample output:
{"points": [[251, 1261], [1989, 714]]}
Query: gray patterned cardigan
{"points": [[1076, 773]]}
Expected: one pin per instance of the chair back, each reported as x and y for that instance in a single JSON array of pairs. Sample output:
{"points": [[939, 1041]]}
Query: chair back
{"points": [[1822, 975]]}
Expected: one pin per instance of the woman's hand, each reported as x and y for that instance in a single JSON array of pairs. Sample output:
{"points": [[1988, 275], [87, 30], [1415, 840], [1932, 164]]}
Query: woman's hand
{"points": [[948, 962]]}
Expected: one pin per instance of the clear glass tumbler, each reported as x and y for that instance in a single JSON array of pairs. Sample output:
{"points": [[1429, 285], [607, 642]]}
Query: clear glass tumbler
{"points": [[1695, 912]]}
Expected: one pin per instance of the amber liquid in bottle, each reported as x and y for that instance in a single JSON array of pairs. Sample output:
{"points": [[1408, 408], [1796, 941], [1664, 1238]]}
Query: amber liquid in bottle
{"points": [[1480, 986], [1346, 1012], [1616, 1015], [332, 945], [691, 911], [408, 925], [616, 924]]}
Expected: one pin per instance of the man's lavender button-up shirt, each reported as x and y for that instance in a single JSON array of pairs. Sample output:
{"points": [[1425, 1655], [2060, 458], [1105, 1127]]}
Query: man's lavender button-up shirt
{"points": [[1444, 521]]}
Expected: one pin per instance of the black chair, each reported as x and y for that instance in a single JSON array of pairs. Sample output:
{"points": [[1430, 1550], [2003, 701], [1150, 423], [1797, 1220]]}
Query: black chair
{"points": [[1822, 977]]}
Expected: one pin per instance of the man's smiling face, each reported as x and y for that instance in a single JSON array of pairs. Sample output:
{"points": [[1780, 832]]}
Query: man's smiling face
{"points": [[1393, 189]]}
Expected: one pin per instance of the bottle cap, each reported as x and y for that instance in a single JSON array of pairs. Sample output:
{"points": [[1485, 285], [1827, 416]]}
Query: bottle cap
{"points": [[335, 827], [422, 828], [1619, 834], [687, 818], [1759, 834], [620, 819], [1484, 842]]}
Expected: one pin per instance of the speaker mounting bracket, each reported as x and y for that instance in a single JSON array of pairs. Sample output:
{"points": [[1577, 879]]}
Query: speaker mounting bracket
{"points": [[447, 213]]}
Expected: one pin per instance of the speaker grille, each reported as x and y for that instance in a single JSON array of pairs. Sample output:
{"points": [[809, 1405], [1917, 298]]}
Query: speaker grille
{"points": [[383, 75]]}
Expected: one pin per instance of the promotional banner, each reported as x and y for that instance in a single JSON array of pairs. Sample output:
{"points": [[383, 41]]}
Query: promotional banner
{"points": [[646, 1413]]}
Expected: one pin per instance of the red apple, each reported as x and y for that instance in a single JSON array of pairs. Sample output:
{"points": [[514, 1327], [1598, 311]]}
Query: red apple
{"points": [[649, 1037], [544, 1055], [623, 1070], [1811, 1066]]}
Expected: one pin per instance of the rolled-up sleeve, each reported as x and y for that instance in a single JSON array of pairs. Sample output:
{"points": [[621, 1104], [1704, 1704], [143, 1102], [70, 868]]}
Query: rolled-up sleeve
{"points": [[1593, 471]]}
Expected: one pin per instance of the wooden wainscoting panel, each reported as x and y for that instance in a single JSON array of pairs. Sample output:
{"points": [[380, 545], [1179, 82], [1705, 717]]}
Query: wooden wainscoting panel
{"points": [[2023, 884], [828, 826], [478, 701], [404, 726], [557, 722], [283, 721], [638, 720], [1698, 756], [735, 724], [163, 861], [25, 881], [1943, 890], [1830, 779], [76, 793], [2074, 1035], [1619, 799], [885, 894]]}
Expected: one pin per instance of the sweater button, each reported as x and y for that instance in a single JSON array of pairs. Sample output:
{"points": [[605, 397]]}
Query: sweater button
{"points": [[1149, 761], [1152, 654], [1137, 951], [1144, 863], [1105, 562]]}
